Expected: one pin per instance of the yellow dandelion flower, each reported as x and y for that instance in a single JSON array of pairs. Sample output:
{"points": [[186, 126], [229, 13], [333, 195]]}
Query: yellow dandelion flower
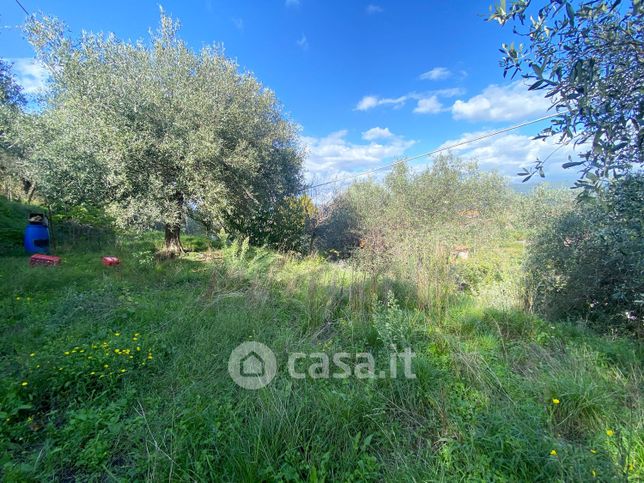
{"points": [[117, 351], [610, 432], [123, 370], [594, 473], [150, 356], [66, 353], [135, 338], [33, 354], [82, 350], [105, 366], [138, 349], [553, 452], [17, 298], [631, 467], [37, 366], [136, 334], [92, 373], [24, 383], [593, 451], [117, 334], [555, 401]]}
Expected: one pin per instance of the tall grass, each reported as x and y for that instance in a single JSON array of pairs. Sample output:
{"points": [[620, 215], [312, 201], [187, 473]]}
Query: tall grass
{"points": [[482, 406]]}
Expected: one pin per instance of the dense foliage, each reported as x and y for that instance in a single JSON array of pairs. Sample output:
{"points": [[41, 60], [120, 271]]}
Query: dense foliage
{"points": [[415, 226], [12, 102], [587, 261], [452, 200], [587, 57], [155, 132]]}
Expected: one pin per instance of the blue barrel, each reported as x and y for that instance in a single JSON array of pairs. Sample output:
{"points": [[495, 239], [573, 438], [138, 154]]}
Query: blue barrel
{"points": [[36, 238]]}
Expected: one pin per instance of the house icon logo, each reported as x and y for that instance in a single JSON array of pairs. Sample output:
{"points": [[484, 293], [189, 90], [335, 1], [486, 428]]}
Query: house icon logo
{"points": [[252, 365]]}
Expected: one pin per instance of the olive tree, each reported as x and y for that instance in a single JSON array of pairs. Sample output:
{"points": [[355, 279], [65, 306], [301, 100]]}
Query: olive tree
{"points": [[12, 102], [588, 57], [154, 130]]}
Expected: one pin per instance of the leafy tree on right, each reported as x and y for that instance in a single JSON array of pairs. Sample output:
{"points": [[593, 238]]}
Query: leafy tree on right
{"points": [[589, 58]]}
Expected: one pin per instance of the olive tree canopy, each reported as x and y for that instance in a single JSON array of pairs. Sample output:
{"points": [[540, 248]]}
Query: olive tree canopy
{"points": [[153, 131], [588, 56], [12, 102]]}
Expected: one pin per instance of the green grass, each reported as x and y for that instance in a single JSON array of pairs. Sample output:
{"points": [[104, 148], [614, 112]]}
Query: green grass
{"points": [[120, 373], [481, 407]]}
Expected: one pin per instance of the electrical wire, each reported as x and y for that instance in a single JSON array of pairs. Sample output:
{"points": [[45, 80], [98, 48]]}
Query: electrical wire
{"points": [[23, 8], [429, 153], [405, 160]]}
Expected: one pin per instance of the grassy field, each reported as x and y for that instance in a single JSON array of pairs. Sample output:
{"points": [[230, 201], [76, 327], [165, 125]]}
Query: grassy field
{"points": [[121, 373]]}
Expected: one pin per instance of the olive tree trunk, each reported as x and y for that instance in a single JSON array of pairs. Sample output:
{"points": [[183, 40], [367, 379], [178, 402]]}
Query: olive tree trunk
{"points": [[173, 245]]}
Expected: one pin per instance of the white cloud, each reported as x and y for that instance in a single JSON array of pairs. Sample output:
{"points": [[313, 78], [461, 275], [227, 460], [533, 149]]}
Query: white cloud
{"points": [[369, 102], [428, 105], [427, 101], [508, 153], [334, 155], [449, 92], [502, 103], [31, 74], [376, 133], [437, 73], [374, 9], [303, 43], [292, 3]]}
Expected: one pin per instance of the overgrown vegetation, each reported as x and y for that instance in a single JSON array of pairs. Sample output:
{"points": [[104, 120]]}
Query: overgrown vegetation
{"points": [[524, 311], [122, 371], [587, 262]]}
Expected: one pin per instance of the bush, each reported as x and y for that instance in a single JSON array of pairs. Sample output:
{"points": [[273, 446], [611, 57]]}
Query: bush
{"points": [[414, 226], [13, 220], [452, 200], [587, 262]]}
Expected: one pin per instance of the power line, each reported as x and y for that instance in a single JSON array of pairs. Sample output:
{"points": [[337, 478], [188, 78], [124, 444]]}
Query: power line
{"points": [[430, 153], [405, 160], [23, 8]]}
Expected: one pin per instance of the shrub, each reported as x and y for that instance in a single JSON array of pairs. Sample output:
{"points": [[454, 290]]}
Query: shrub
{"points": [[587, 262], [338, 227]]}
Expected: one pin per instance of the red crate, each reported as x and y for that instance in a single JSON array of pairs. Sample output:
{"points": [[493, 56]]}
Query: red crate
{"points": [[40, 259], [110, 261]]}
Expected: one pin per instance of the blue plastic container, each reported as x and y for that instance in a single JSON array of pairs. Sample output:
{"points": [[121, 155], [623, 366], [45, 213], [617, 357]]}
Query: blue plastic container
{"points": [[36, 238]]}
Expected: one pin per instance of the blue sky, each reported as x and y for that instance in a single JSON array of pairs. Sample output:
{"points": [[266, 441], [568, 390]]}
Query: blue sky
{"points": [[367, 81]]}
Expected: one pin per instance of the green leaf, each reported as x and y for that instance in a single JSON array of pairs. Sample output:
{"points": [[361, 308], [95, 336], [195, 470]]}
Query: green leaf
{"points": [[536, 85], [571, 13], [571, 164]]}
